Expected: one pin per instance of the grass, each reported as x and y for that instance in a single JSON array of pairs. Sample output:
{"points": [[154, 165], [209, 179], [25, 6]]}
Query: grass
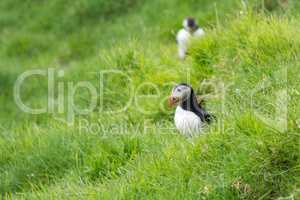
{"points": [[246, 69]]}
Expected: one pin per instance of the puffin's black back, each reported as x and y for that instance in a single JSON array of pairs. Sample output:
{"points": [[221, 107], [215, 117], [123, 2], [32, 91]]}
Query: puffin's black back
{"points": [[191, 104]]}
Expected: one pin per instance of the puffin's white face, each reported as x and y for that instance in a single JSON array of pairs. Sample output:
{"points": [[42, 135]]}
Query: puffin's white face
{"points": [[179, 94], [185, 24]]}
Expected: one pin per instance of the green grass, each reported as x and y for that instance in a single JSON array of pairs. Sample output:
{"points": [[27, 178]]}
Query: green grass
{"points": [[246, 69]]}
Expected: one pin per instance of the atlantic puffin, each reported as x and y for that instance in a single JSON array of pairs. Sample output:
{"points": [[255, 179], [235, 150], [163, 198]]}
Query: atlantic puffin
{"points": [[190, 117], [190, 29]]}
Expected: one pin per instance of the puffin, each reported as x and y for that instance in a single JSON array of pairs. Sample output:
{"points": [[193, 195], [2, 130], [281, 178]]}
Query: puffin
{"points": [[190, 117], [190, 29]]}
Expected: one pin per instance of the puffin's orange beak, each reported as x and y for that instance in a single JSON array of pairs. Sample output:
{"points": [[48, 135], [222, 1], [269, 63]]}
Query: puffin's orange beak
{"points": [[172, 101]]}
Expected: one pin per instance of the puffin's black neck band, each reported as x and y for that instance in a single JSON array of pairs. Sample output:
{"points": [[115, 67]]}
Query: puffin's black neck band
{"points": [[195, 28]]}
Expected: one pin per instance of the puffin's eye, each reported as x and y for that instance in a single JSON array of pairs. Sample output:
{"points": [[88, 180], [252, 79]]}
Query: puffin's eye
{"points": [[178, 90]]}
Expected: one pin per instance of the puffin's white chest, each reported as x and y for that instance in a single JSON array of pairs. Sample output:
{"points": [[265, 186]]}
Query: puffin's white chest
{"points": [[182, 38], [187, 122]]}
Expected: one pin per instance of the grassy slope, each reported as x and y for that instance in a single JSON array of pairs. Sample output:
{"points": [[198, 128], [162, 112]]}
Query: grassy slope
{"points": [[241, 158]]}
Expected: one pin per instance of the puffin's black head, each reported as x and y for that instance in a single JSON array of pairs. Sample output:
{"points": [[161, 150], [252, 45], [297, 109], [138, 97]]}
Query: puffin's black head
{"points": [[180, 93], [190, 24]]}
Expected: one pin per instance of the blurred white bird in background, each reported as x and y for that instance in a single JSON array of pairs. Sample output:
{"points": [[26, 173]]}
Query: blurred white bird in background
{"points": [[183, 37]]}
